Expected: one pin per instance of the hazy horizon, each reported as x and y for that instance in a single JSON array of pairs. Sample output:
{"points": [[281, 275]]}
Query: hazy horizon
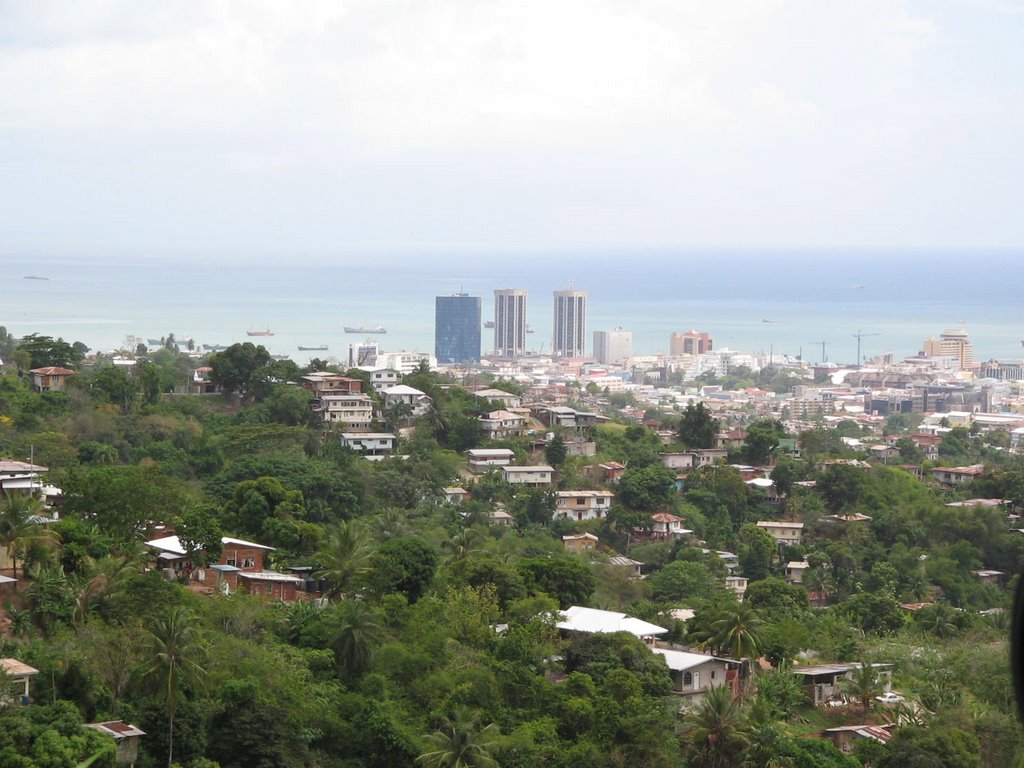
{"points": [[333, 130]]}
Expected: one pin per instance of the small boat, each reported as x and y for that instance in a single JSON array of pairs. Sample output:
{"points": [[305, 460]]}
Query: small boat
{"points": [[320, 348], [529, 328], [365, 329], [259, 332], [155, 342], [215, 347], [35, 277], [279, 357], [488, 323]]}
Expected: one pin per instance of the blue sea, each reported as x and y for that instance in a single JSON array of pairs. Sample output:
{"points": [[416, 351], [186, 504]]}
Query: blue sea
{"points": [[784, 302]]}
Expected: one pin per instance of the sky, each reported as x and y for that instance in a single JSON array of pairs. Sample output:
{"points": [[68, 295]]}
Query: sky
{"points": [[305, 129]]}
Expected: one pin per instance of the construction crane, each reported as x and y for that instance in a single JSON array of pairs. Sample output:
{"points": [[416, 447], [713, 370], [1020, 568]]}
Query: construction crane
{"points": [[824, 357], [858, 336]]}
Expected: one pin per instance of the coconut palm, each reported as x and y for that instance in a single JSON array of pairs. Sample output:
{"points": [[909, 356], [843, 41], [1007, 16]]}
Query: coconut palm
{"points": [[396, 413], [820, 580], [736, 632], [940, 620], [19, 529], [863, 684], [95, 579], [462, 544], [175, 652], [764, 736], [344, 557], [461, 742], [715, 730], [389, 523], [782, 690], [359, 631]]}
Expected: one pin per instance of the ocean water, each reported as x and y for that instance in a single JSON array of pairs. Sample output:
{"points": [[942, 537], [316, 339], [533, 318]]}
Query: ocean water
{"points": [[786, 302]]}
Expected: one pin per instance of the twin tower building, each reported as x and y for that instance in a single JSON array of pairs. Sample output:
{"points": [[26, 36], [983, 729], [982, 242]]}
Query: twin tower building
{"points": [[458, 325]]}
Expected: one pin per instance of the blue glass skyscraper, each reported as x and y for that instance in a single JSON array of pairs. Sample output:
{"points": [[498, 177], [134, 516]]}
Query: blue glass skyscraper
{"points": [[457, 329]]}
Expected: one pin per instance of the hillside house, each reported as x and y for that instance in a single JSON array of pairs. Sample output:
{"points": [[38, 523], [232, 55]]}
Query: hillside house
{"points": [[785, 534], [957, 475], [125, 736], [485, 459], [694, 674], [536, 476], [592, 620], [355, 412], [19, 674], [322, 383], [402, 394], [370, 443], [579, 542], [498, 425], [583, 505], [50, 379], [824, 682], [499, 396]]}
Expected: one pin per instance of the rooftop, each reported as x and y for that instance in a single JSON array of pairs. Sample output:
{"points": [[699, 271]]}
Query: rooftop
{"points": [[580, 619]]}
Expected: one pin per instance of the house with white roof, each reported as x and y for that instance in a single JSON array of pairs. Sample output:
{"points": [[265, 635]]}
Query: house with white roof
{"points": [[369, 443], [406, 395], [19, 674], [694, 674], [506, 399], [592, 620], [498, 425], [485, 459]]}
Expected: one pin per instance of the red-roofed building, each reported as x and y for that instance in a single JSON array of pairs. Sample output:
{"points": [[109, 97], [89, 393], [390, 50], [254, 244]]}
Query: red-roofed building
{"points": [[50, 379]]}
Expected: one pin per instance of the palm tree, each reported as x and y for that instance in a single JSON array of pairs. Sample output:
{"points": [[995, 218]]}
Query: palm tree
{"points": [[820, 580], [358, 632], [461, 742], [462, 544], [95, 579], [344, 557], [389, 523], [940, 621], [175, 653], [782, 690], [396, 413], [736, 632], [715, 730], [863, 684], [18, 529], [764, 736]]}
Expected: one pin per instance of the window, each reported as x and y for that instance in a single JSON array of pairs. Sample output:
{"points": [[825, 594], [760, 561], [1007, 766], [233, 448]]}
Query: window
{"points": [[231, 560], [687, 679], [249, 562], [580, 501], [712, 674]]}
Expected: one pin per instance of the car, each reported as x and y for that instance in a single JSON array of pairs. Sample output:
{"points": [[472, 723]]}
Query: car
{"points": [[890, 697]]}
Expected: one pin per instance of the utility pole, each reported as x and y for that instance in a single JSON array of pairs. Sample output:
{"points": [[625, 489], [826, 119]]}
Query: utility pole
{"points": [[858, 336]]}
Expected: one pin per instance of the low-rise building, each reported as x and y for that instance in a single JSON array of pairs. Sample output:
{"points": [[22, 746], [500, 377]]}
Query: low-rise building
{"points": [[785, 533], [694, 674], [583, 505], [957, 475], [824, 682], [498, 425], [50, 379], [485, 459], [322, 383], [382, 378], [402, 394], [505, 399], [125, 736], [665, 525], [579, 542], [355, 412], [370, 443], [19, 674], [737, 584], [594, 621], [795, 570], [535, 476], [455, 494]]}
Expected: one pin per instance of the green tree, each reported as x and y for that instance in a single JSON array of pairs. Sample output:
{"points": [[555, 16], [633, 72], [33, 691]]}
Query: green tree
{"points": [[45, 351], [175, 653], [359, 630], [114, 385], [776, 597], [647, 488], [737, 632], [916, 747], [715, 733], [685, 580], [562, 577], [461, 742], [236, 369], [863, 684], [200, 534], [762, 439], [843, 486], [344, 558], [697, 427], [757, 551], [18, 527], [555, 451], [404, 565]]}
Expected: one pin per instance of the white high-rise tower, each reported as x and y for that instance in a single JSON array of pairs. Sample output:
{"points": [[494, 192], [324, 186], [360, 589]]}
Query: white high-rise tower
{"points": [[570, 324], [509, 322]]}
